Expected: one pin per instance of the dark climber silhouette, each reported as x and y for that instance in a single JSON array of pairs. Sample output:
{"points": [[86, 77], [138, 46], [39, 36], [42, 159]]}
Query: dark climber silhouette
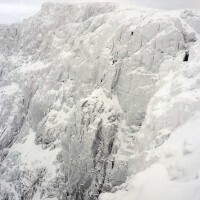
{"points": [[132, 32], [113, 163], [114, 61], [185, 59]]}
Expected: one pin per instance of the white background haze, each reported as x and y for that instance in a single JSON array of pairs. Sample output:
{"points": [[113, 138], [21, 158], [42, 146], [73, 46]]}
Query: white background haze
{"points": [[16, 10]]}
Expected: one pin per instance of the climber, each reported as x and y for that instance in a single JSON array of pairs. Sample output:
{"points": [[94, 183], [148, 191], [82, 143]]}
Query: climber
{"points": [[113, 164], [185, 59], [114, 61]]}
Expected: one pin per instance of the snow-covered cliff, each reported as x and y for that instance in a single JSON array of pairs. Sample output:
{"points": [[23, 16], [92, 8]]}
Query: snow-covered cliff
{"points": [[96, 98]]}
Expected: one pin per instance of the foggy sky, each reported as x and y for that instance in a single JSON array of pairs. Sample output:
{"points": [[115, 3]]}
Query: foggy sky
{"points": [[16, 10]]}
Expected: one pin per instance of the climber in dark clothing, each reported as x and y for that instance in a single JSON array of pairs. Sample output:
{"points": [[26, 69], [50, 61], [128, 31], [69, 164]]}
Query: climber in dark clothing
{"points": [[186, 57]]}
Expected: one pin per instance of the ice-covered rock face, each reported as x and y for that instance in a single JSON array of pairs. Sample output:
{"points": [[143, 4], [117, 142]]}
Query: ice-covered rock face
{"points": [[76, 81]]}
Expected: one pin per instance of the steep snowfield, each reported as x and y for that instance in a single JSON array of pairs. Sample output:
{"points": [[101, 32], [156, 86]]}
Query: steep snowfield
{"points": [[169, 138], [95, 98]]}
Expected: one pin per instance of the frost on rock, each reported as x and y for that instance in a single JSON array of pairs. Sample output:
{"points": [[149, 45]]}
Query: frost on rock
{"points": [[93, 93]]}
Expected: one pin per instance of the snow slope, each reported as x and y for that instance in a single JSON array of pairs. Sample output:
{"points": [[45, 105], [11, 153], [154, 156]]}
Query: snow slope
{"points": [[172, 130], [95, 98]]}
